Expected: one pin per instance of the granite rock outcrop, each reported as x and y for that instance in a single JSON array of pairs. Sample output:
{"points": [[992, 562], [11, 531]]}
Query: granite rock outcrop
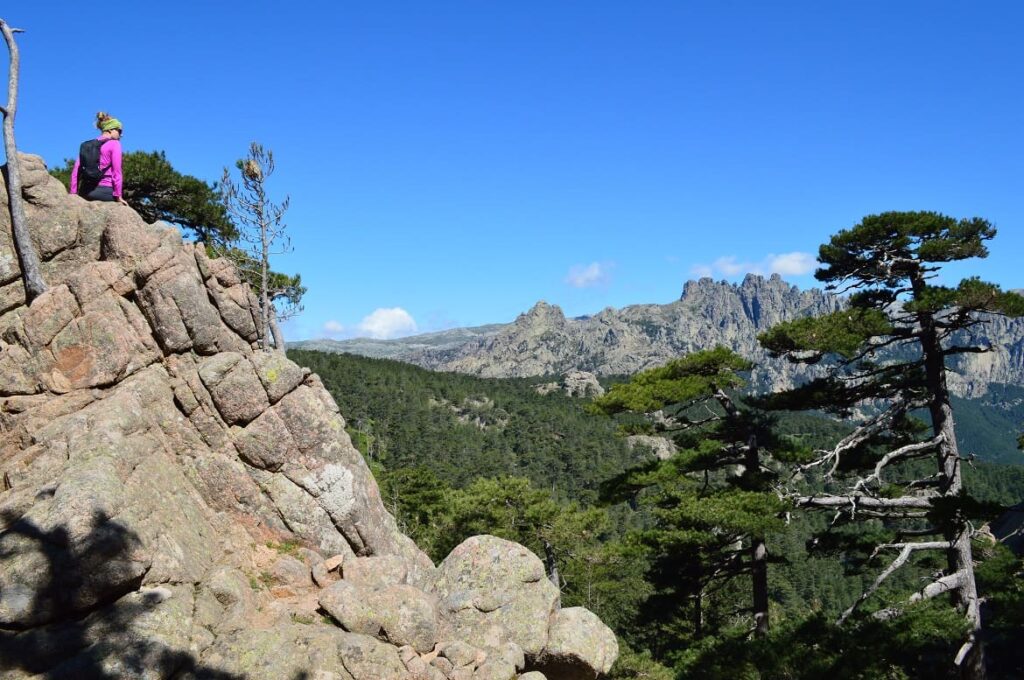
{"points": [[176, 503]]}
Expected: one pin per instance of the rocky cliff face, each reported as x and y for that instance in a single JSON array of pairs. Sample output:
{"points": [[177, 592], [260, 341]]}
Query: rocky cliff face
{"points": [[544, 342], [177, 504]]}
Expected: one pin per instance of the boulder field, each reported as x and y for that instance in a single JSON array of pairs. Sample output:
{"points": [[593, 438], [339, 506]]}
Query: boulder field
{"points": [[176, 503]]}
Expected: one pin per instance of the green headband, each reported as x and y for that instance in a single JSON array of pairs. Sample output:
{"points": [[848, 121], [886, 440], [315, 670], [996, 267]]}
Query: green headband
{"points": [[111, 124]]}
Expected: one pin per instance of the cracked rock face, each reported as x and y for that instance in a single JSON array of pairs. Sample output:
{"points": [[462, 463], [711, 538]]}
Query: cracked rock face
{"points": [[177, 503]]}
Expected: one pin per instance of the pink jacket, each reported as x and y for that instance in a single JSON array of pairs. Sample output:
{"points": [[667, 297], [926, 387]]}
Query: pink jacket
{"points": [[110, 163]]}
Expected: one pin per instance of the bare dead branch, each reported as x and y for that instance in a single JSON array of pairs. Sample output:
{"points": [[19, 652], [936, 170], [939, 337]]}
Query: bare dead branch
{"points": [[869, 502], [862, 434], [940, 586]]}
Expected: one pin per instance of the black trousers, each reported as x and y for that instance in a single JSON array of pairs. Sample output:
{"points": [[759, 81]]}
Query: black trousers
{"points": [[100, 194]]}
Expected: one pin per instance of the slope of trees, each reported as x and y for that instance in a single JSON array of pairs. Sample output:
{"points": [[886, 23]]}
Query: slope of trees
{"points": [[441, 446], [464, 427]]}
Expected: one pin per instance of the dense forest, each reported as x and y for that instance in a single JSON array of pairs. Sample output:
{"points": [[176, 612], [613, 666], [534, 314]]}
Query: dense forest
{"points": [[457, 455]]}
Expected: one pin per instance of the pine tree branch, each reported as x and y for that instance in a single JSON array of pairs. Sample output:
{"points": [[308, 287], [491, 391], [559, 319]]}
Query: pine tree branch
{"points": [[906, 549], [940, 586], [904, 453], [975, 349], [868, 502], [862, 434]]}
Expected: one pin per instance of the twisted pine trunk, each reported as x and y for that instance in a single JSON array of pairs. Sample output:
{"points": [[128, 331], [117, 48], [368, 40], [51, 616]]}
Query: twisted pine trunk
{"points": [[960, 558]]}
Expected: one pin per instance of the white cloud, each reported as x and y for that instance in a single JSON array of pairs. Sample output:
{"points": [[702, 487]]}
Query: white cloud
{"points": [[590, 275], [334, 330], [730, 267], [786, 264], [385, 323], [794, 264]]}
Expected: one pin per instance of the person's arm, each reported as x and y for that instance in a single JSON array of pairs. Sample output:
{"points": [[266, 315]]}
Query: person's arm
{"points": [[74, 177], [115, 168]]}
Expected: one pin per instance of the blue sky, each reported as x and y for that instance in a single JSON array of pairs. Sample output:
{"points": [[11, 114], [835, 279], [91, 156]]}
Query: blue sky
{"points": [[451, 163]]}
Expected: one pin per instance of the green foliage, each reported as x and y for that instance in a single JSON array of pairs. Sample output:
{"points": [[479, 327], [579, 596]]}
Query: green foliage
{"points": [[989, 426], [884, 249], [705, 518], [159, 192], [289, 547], [1001, 579], [412, 418], [596, 570], [679, 383], [843, 333], [633, 665]]}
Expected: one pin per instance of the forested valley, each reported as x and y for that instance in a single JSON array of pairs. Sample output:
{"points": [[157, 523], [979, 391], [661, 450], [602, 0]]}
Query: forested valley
{"points": [[457, 455]]}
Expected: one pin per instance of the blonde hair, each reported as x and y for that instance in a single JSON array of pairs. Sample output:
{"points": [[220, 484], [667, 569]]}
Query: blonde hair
{"points": [[101, 118]]}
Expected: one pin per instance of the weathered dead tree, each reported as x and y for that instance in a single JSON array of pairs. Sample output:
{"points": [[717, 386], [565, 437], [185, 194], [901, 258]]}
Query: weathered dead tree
{"points": [[31, 274], [263, 229]]}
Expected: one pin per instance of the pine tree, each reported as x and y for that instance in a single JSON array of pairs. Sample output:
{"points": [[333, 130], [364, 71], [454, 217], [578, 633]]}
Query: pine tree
{"points": [[711, 521], [890, 350]]}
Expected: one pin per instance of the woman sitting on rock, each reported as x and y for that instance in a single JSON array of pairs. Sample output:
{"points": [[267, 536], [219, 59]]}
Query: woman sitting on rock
{"points": [[97, 173]]}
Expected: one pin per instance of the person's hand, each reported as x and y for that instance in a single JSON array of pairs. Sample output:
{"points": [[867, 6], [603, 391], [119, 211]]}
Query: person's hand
{"points": [[120, 199]]}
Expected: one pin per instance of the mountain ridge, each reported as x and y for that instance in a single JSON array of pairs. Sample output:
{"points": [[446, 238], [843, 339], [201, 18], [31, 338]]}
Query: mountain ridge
{"points": [[543, 341]]}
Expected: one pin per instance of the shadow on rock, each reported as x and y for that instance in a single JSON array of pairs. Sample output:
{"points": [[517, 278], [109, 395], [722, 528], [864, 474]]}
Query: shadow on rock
{"points": [[72, 606]]}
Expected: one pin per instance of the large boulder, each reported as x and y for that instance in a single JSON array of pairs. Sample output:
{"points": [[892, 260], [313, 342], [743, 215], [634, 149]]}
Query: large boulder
{"points": [[578, 645], [493, 591]]}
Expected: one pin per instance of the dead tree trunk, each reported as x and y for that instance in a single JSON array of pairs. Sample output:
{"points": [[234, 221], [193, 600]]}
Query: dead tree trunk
{"points": [[551, 564], [275, 329], [31, 274]]}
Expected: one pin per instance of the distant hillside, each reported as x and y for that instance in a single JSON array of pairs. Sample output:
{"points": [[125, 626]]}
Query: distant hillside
{"points": [[401, 348], [988, 426]]}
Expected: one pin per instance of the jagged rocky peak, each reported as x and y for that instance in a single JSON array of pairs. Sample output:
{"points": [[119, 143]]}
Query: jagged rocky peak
{"points": [[763, 302], [704, 286], [543, 313], [177, 503]]}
